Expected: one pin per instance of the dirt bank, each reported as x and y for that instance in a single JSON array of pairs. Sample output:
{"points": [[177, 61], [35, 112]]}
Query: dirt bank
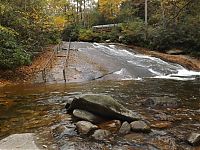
{"points": [[184, 60], [25, 73]]}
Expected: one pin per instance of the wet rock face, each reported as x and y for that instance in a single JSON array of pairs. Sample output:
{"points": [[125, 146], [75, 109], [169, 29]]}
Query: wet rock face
{"points": [[101, 134], [164, 143], [85, 115], [140, 126], [165, 102], [84, 127], [62, 130], [112, 126], [194, 139], [125, 128], [161, 124], [19, 141], [104, 106]]}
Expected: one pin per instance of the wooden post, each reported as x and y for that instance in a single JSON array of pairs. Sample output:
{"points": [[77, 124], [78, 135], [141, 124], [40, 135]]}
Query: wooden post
{"points": [[64, 75], [69, 48]]}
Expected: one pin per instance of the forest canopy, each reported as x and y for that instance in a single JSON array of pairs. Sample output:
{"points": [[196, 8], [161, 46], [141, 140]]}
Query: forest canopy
{"points": [[28, 26]]}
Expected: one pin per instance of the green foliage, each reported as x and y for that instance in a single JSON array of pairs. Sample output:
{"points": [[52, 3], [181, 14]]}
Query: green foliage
{"points": [[26, 27], [86, 35], [133, 33], [11, 54], [70, 32]]}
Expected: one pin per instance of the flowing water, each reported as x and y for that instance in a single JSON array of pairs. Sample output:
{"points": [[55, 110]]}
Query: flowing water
{"points": [[39, 107]]}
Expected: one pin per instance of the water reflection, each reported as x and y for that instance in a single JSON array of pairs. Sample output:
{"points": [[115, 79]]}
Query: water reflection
{"points": [[29, 108]]}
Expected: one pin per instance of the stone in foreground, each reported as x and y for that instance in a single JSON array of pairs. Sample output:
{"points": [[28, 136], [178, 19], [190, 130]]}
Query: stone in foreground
{"points": [[19, 142], [85, 115], [104, 106], [194, 139], [84, 127], [125, 128], [140, 126], [101, 134]]}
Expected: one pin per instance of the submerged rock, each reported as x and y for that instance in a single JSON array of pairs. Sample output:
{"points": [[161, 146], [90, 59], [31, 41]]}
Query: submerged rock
{"points": [[161, 124], [163, 143], [62, 130], [104, 106], [161, 102], [194, 139], [125, 128], [140, 126], [19, 142], [84, 127], [85, 115], [101, 134], [112, 126]]}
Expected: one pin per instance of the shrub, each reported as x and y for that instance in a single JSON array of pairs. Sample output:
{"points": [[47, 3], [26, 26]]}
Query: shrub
{"points": [[70, 32], [133, 33], [86, 35], [12, 55]]}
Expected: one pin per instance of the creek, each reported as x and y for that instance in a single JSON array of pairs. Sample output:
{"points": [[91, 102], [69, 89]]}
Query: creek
{"points": [[40, 107]]}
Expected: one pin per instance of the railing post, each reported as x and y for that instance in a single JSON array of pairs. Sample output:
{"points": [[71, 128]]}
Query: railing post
{"points": [[69, 48], [64, 75]]}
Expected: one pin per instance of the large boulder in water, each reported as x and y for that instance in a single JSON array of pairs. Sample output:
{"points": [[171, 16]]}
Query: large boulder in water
{"points": [[103, 105]]}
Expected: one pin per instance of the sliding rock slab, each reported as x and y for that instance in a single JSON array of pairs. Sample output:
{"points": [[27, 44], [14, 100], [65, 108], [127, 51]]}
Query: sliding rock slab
{"points": [[19, 142], [104, 106]]}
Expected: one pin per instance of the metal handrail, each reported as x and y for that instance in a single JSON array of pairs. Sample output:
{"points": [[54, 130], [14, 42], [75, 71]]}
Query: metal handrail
{"points": [[66, 61], [49, 62]]}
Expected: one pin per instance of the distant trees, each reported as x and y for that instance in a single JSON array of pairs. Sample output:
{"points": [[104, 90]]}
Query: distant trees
{"points": [[27, 26]]}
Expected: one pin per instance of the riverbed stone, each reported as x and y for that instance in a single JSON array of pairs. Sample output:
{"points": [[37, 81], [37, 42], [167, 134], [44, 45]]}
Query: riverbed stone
{"points": [[19, 142], [84, 127], [101, 134], [194, 139], [140, 126], [161, 124], [163, 143], [112, 126], [125, 128], [135, 137], [62, 130], [165, 102], [104, 106], [85, 115]]}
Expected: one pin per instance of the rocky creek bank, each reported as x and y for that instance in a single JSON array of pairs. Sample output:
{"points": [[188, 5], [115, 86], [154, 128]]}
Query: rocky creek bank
{"points": [[102, 118]]}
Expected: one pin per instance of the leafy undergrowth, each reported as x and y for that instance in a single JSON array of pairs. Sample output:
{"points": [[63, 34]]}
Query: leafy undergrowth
{"points": [[25, 73]]}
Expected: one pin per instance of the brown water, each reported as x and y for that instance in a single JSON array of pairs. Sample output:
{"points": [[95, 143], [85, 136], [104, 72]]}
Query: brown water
{"points": [[40, 107]]}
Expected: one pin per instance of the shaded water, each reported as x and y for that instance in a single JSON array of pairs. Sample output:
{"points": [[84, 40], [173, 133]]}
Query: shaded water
{"points": [[166, 94], [39, 107]]}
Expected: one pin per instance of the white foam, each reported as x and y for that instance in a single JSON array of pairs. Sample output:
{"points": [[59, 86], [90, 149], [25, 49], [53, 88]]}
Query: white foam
{"points": [[120, 72], [186, 73], [156, 66], [155, 72], [173, 78], [128, 79], [112, 50]]}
